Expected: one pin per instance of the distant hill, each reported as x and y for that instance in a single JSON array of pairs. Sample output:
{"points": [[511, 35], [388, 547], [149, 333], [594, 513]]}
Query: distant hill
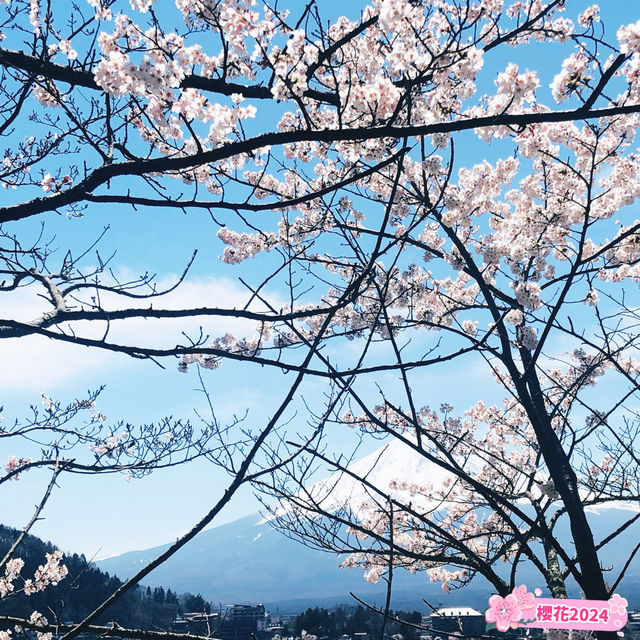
{"points": [[248, 561]]}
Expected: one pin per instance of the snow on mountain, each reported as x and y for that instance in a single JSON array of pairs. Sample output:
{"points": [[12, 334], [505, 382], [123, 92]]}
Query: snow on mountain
{"points": [[396, 462], [393, 462]]}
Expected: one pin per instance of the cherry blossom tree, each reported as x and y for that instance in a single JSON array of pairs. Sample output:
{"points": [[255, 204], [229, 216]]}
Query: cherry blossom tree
{"points": [[419, 195]]}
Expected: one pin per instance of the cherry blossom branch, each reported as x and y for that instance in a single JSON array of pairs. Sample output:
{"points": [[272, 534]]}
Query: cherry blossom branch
{"points": [[525, 26], [78, 77], [54, 476], [247, 206], [604, 79], [389, 576], [305, 503], [104, 174], [498, 502]]}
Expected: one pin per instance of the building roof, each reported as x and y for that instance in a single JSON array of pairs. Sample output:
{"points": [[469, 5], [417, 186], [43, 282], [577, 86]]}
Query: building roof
{"points": [[455, 612]]}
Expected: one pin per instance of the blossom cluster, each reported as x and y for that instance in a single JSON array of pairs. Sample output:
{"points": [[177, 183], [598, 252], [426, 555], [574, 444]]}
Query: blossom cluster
{"points": [[13, 464], [50, 573], [507, 612]]}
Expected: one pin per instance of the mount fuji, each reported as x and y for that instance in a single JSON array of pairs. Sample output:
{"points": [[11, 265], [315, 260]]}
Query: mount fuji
{"points": [[248, 560]]}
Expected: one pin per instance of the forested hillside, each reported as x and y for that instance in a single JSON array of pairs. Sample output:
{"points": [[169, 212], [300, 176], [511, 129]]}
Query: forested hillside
{"points": [[84, 588]]}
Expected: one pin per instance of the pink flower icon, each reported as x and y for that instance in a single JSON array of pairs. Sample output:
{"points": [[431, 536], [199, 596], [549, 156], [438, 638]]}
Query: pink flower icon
{"points": [[503, 611], [617, 604], [525, 599]]}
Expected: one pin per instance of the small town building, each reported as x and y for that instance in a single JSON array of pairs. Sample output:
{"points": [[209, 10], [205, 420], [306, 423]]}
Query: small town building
{"points": [[461, 619]]}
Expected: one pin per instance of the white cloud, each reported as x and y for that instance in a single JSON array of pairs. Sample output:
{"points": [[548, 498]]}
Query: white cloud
{"points": [[36, 363]]}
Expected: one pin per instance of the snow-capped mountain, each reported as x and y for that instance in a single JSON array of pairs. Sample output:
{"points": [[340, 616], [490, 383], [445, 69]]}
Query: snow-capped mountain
{"points": [[249, 561], [394, 462]]}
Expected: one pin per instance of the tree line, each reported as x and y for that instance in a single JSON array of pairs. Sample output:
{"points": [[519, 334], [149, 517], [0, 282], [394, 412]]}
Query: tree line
{"points": [[348, 620], [86, 586]]}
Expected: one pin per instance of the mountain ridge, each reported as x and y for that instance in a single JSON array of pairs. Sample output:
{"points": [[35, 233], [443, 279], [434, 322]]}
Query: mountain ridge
{"points": [[247, 560]]}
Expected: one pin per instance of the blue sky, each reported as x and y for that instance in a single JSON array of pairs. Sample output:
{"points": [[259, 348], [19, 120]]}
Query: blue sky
{"points": [[106, 515]]}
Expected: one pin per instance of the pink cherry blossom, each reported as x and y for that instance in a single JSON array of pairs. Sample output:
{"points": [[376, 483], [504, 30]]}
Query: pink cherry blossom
{"points": [[526, 600], [44, 96], [528, 337], [617, 604], [14, 463], [629, 38], [589, 16], [34, 15], [66, 48], [503, 611]]}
